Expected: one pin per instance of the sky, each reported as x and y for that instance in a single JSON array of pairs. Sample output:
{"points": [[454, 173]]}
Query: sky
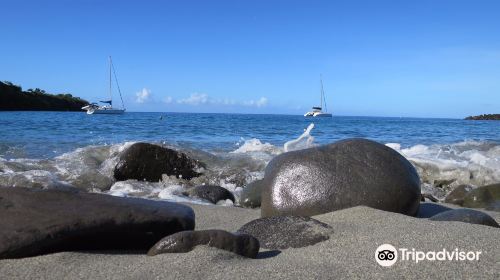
{"points": [[437, 58]]}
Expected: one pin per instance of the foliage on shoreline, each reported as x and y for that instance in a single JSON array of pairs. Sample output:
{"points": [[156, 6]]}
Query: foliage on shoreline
{"points": [[13, 98], [484, 117]]}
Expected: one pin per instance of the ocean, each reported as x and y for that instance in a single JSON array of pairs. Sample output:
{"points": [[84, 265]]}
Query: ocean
{"points": [[60, 149]]}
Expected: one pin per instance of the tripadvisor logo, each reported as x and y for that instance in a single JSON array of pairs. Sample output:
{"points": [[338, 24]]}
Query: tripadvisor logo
{"points": [[387, 255]]}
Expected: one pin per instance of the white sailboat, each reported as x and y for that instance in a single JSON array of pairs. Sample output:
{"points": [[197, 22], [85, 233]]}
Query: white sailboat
{"points": [[94, 108], [318, 111]]}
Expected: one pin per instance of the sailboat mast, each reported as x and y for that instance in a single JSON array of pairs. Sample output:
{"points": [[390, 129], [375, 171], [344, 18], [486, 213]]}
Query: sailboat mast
{"points": [[110, 93], [321, 97]]}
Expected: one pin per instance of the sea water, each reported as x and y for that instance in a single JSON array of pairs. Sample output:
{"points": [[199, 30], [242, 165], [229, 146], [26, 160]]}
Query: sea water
{"points": [[65, 149]]}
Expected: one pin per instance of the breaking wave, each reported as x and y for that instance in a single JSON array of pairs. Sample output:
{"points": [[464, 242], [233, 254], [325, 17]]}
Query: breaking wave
{"points": [[441, 168]]}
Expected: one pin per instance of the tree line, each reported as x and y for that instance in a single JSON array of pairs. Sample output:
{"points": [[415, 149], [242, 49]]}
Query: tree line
{"points": [[13, 98]]}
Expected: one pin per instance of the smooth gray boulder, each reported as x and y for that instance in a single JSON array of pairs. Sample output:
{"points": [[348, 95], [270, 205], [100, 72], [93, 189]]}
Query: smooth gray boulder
{"points": [[185, 241], [251, 195], [210, 193], [483, 197], [282, 232], [344, 174], [144, 161], [458, 194], [466, 216], [35, 222]]}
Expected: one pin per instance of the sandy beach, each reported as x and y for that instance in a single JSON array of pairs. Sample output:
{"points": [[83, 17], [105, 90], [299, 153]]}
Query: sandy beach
{"points": [[349, 253]]}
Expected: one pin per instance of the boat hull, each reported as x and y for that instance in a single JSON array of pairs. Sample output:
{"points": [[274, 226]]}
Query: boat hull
{"points": [[106, 111]]}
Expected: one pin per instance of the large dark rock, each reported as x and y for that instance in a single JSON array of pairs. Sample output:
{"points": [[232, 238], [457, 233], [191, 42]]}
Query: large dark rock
{"points": [[144, 161], [211, 193], [467, 216], [34, 222], [483, 196], [284, 232], [458, 194], [251, 195], [185, 241], [340, 175]]}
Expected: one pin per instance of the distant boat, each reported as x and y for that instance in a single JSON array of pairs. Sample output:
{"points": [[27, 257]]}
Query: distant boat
{"points": [[94, 108], [318, 111]]}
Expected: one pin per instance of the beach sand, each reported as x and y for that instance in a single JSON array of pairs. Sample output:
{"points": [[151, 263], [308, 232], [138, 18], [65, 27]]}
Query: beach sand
{"points": [[349, 253]]}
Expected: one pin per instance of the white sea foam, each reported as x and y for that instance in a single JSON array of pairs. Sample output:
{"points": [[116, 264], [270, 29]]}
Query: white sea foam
{"points": [[303, 142], [447, 166]]}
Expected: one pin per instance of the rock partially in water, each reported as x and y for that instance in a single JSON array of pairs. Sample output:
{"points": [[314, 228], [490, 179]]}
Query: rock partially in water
{"points": [[144, 161], [467, 216], [495, 206], [483, 197], [35, 222], [185, 241], [458, 194], [251, 195], [282, 232], [93, 180], [340, 175], [211, 193]]}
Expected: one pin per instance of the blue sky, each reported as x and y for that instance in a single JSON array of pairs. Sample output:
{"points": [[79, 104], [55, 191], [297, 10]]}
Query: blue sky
{"points": [[378, 58]]}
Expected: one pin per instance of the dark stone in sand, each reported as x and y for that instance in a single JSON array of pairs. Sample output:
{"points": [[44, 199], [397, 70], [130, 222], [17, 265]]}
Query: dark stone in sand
{"points": [[211, 193], [340, 175], [144, 161], [429, 209], [185, 241], [282, 232], [483, 196], [251, 195], [35, 222], [458, 194], [467, 216]]}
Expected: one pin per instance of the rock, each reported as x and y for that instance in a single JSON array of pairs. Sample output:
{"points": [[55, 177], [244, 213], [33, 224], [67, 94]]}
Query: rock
{"points": [[484, 117], [429, 209], [282, 232], [483, 196], [93, 180], [211, 193], [458, 194], [144, 161], [251, 195], [34, 222], [467, 216], [340, 175], [185, 241], [495, 206]]}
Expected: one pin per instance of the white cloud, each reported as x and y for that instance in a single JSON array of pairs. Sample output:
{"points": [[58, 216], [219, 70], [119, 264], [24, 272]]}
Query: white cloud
{"points": [[143, 95], [257, 103], [195, 99], [168, 99]]}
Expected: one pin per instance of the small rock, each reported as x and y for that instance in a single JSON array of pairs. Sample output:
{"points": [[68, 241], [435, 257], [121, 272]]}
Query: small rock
{"points": [[251, 195], [495, 206], [467, 216], [185, 241], [458, 194], [483, 196], [35, 222], [211, 193], [144, 161], [282, 232]]}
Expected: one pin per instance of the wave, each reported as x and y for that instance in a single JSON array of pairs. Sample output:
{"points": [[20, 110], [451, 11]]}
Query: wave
{"points": [[441, 168]]}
